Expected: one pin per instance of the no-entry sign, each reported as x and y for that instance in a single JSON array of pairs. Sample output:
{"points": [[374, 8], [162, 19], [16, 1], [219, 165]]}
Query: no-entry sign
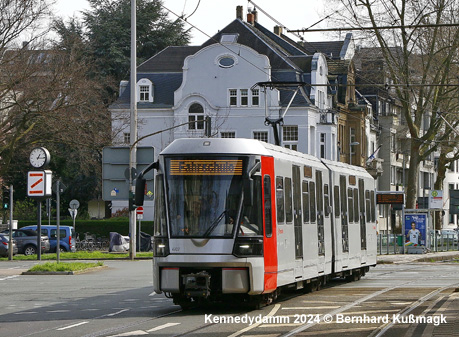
{"points": [[139, 211]]}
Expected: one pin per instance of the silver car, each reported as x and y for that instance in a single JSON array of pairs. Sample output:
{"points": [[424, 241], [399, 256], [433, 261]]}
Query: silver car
{"points": [[4, 245], [26, 241]]}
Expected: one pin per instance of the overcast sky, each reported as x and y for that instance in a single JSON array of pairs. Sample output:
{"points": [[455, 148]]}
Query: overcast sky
{"points": [[212, 15]]}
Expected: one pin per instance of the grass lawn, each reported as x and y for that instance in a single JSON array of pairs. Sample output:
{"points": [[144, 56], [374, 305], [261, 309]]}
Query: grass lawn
{"points": [[66, 266], [83, 255]]}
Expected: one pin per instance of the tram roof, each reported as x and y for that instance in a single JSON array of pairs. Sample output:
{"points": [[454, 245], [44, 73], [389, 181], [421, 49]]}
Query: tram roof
{"points": [[215, 146]]}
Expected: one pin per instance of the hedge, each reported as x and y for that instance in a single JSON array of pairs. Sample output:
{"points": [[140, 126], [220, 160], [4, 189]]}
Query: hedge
{"points": [[101, 228]]}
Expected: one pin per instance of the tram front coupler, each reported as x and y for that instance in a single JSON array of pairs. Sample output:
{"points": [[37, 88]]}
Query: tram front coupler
{"points": [[197, 284]]}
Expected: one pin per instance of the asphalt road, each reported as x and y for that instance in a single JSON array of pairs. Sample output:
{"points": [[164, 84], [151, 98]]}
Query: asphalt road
{"points": [[391, 300]]}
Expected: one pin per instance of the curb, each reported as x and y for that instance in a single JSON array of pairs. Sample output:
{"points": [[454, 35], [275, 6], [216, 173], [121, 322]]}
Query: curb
{"points": [[76, 272], [430, 258]]}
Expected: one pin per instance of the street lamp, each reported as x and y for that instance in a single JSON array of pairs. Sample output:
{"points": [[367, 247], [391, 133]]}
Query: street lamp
{"points": [[350, 151]]}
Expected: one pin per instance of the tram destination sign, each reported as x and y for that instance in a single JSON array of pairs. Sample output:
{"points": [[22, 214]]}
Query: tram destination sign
{"points": [[390, 198], [205, 167]]}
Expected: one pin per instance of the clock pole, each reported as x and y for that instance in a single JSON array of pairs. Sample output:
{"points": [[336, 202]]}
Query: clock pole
{"points": [[39, 185]]}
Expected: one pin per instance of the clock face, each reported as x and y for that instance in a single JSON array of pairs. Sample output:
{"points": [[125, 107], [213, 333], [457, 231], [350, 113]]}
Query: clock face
{"points": [[39, 157]]}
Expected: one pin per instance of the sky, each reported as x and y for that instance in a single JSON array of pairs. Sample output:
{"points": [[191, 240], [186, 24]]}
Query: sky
{"points": [[212, 15]]}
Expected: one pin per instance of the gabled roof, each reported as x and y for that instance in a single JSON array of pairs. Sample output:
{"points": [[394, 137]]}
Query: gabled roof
{"points": [[169, 59], [289, 62], [262, 41]]}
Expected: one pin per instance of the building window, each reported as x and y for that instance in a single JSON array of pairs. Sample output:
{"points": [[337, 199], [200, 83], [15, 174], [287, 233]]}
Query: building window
{"points": [[233, 97], [196, 117], [144, 90], [323, 139], [230, 134], [290, 136], [261, 135], [127, 138], [255, 97], [244, 97]]}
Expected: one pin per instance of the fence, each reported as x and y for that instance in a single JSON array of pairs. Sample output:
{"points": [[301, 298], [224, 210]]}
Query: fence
{"points": [[395, 243]]}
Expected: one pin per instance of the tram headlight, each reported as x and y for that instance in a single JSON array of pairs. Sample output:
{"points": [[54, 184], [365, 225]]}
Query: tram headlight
{"points": [[248, 246], [161, 247]]}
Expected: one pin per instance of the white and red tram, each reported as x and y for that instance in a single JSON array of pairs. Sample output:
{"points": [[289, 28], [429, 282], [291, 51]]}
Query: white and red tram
{"points": [[239, 217]]}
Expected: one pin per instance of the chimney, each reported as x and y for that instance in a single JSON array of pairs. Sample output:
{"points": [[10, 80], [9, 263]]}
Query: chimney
{"points": [[278, 30], [250, 16], [240, 12], [255, 14]]}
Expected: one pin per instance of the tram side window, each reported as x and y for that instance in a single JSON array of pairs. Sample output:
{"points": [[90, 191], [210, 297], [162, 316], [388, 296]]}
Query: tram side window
{"points": [[336, 201], [288, 200], [368, 205], [280, 199], [312, 201], [362, 199], [305, 201], [326, 201], [373, 207], [267, 195], [356, 205], [350, 204], [160, 214]]}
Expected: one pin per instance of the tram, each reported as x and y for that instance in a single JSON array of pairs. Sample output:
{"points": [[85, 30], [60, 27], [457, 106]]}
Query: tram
{"points": [[243, 219]]}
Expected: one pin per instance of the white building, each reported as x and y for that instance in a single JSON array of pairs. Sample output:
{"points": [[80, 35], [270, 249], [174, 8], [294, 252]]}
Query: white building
{"points": [[219, 80]]}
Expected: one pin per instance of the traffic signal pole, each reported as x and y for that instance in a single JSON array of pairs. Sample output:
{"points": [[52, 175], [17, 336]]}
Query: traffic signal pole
{"points": [[133, 127], [10, 246]]}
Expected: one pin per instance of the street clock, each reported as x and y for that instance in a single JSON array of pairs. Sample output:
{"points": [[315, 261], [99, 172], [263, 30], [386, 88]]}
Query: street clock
{"points": [[39, 157]]}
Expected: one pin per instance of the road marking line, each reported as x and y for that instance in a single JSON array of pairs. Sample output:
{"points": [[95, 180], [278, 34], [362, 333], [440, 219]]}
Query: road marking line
{"points": [[164, 326], [307, 308], [131, 333], [57, 311], [253, 326], [118, 312], [8, 277], [72, 326], [153, 293]]}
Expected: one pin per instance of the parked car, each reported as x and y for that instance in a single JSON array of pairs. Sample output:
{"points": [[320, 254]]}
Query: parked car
{"points": [[4, 245], [66, 239], [26, 241]]}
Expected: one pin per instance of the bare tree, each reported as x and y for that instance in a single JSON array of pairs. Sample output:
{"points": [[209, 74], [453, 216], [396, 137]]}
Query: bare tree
{"points": [[419, 53]]}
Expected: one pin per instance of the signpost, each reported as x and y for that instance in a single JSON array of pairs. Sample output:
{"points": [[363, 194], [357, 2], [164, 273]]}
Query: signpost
{"points": [[73, 210], [39, 184], [139, 212]]}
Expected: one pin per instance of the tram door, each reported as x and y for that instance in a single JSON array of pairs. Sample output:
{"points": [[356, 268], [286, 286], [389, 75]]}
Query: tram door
{"points": [[344, 222], [297, 221], [362, 222], [320, 222]]}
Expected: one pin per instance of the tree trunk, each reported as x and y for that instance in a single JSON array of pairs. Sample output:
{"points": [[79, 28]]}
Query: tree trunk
{"points": [[441, 174], [412, 183]]}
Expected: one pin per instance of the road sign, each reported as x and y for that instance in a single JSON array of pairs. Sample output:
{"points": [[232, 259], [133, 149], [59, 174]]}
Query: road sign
{"points": [[116, 173], [73, 212], [74, 204], [139, 213], [39, 183]]}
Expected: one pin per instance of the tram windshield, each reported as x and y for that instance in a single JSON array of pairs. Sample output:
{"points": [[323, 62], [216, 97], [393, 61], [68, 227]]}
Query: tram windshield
{"points": [[205, 196]]}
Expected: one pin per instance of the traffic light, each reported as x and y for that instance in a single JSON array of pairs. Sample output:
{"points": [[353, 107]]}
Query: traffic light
{"points": [[132, 207], [5, 197]]}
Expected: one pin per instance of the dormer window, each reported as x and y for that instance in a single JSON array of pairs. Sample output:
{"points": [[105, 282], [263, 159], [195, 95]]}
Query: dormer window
{"points": [[229, 38], [144, 90]]}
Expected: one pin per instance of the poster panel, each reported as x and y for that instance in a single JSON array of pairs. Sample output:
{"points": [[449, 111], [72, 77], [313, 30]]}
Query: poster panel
{"points": [[415, 229]]}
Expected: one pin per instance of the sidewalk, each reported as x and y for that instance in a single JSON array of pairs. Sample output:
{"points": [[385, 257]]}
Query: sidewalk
{"points": [[427, 257]]}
